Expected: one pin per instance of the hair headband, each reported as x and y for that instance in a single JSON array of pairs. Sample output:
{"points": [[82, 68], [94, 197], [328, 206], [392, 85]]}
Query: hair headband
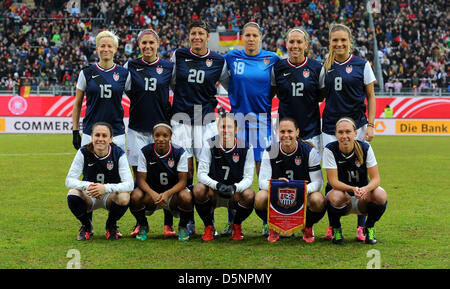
{"points": [[163, 125], [147, 32]]}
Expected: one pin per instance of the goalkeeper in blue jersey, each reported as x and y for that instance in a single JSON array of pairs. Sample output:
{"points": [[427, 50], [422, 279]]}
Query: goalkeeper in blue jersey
{"points": [[250, 92]]}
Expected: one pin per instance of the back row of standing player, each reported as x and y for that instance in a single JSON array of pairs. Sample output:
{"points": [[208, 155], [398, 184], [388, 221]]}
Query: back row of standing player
{"points": [[252, 77]]}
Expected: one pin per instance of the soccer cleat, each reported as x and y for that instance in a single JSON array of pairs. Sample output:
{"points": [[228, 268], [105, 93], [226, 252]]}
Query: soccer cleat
{"points": [[208, 235], [370, 236], [237, 233], [183, 234], [308, 235], [135, 231], [191, 227], [228, 230], [273, 236], [328, 234], [360, 234], [266, 230], [169, 231], [84, 234], [338, 237], [112, 233], [142, 233]]}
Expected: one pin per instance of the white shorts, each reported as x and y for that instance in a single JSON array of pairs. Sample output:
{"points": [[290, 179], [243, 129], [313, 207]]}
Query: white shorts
{"points": [[221, 202], [135, 142], [327, 138], [175, 213], [119, 140], [99, 203], [191, 138]]}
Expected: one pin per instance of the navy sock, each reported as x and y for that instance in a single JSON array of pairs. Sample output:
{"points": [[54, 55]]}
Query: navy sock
{"points": [[168, 218], [242, 213], [115, 213], [78, 208], [141, 219], [313, 217], [374, 213], [262, 215], [335, 214], [185, 216], [230, 215], [204, 210], [361, 221]]}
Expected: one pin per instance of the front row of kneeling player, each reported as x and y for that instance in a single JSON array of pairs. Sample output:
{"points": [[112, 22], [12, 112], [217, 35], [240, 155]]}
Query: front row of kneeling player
{"points": [[225, 175]]}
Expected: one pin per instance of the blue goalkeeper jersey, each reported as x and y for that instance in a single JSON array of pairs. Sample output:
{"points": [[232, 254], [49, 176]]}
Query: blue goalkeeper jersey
{"points": [[249, 88]]}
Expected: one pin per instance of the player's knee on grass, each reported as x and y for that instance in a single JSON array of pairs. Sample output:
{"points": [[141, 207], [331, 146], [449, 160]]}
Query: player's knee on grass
{"points": [[379, 196], [261, 200], [136, 198], [122, 199], [200, 192], [185, 200], [316, 202], [338, 198], [247, 198]]}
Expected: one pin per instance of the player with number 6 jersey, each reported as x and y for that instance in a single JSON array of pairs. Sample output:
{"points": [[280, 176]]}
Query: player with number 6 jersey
{"points": [[161, 179], [103, 83]]}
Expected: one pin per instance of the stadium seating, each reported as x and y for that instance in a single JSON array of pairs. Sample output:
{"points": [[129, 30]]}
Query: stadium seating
{"points": [[43, 46]]}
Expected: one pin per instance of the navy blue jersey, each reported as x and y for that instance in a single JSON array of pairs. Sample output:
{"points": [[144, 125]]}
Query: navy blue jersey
{"points": [[104, 170], [227, 166], [104, 101], [299, 94], [350, 170], [149, 93], [162, 173], [195, 80], [295, 165], [345, 92]]}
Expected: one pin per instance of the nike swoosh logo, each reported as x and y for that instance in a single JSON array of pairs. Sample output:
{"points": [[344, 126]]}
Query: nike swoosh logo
{"points": [[279, 161], [286, 74], [330, 70], [139, 69], [152, 163], [90, 165], [94, 76], [217, 157], [188, 60], [342, 162]]}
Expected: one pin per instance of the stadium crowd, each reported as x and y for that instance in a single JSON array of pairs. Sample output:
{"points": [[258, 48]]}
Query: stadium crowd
{"points": [[41, 45]]}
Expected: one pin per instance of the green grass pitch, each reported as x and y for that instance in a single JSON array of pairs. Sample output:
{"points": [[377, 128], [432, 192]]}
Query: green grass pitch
{"points": [[38, 229]]}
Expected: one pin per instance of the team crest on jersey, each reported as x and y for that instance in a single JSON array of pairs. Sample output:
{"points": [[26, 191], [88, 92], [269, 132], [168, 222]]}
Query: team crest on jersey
{"points": [[348, 69], [306, 73], [110, 165], [298, 161], [357, 163], [159, 70], [266, 61], [287, 197], [171, 163], [209, 62], [115, 76], [235, 158]]}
